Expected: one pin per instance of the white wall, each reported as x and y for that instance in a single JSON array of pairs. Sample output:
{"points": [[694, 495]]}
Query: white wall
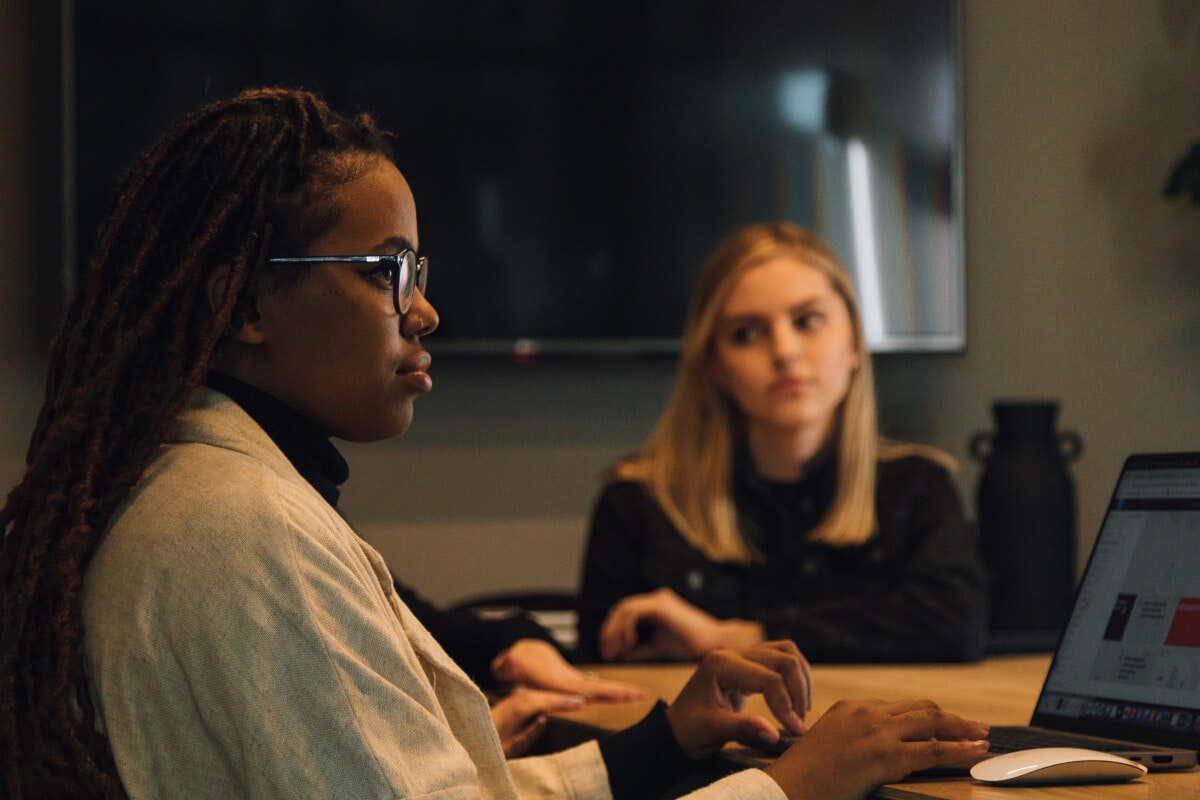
{"points": [[1083, 284]]}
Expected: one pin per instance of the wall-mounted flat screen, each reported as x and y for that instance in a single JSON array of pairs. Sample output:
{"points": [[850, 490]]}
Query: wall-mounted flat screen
{"points": [[573, 161]]}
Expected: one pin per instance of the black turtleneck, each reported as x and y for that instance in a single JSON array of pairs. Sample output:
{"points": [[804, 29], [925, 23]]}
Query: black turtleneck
{"points": [[304, 444]]}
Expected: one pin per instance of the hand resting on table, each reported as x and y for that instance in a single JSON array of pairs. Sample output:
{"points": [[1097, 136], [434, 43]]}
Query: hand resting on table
{"points": [[661, 625]]}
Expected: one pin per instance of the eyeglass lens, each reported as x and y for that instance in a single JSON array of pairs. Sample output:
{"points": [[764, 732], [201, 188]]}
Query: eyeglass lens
{"points": [[404, 280]]}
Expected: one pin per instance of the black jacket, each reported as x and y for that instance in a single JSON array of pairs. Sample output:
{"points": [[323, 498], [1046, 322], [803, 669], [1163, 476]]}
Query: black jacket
{"points": [[915, 591]]}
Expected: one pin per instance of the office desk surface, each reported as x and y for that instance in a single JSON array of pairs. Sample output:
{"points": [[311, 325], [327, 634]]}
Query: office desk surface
{"points": [[1000, 691]]}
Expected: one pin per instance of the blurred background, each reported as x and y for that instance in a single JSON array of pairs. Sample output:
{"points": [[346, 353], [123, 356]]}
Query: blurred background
{"points": [[1081, 283]]}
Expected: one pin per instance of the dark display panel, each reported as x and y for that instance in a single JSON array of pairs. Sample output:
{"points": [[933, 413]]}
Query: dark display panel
{"points": [[574, 160]]}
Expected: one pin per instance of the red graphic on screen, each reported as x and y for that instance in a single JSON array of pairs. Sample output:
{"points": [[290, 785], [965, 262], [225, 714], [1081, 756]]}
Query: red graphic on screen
{"points": [[1185, 627]]}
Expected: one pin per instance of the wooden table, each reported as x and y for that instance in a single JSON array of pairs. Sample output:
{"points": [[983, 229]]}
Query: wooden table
{"points": [[1001, 691]]}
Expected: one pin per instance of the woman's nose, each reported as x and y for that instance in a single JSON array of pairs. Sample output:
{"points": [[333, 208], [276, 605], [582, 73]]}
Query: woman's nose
{"points": [[786, 344], [421, 319]]}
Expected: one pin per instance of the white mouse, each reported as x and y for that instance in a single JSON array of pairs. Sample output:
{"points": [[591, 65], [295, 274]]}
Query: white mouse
{"points": [[1056, 765]]}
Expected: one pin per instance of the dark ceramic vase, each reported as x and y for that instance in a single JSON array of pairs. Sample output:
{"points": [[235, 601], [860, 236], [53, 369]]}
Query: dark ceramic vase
{"points": [[1026, 513]]}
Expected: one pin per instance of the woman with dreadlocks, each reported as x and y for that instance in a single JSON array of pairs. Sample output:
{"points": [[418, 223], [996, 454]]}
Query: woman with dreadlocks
{"points": [[184, 612]]}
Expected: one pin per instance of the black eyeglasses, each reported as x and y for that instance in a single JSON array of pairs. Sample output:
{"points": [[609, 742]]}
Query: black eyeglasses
{"points": [[411, 272]]}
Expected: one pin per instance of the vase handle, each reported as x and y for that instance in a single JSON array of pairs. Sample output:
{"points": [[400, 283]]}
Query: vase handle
{"points": [[1070, 446], [981, 445]]}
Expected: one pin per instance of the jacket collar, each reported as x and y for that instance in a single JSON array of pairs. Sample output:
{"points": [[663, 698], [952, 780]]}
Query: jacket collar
{"points": [[303, 443]]}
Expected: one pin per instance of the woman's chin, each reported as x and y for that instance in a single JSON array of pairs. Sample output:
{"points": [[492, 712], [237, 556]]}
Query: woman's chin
{"points": [[395, 424]]}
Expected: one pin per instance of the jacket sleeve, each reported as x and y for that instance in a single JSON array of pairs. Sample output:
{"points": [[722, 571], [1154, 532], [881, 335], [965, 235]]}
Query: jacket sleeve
{"points": [[935, 610], [612, 559], [472, 641], [252, 651], [642, 762]]}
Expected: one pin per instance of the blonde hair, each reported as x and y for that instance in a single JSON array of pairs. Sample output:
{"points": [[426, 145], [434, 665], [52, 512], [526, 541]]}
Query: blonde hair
{"points": [[686, 463]]}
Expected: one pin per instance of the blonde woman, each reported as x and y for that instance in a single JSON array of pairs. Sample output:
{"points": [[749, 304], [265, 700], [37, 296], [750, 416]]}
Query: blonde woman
{"points": [[764, 504]]}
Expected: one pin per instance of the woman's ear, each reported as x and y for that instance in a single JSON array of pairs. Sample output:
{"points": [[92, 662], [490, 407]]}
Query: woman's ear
{"points": [[251, 331]]}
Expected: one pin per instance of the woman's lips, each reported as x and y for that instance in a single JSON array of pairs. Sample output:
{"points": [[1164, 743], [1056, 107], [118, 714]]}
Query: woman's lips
{"points": [[789, 385], [416, 372]]}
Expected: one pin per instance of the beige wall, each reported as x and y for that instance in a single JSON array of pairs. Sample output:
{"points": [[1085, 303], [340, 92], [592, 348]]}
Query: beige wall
{"points": [[1082, 285]]}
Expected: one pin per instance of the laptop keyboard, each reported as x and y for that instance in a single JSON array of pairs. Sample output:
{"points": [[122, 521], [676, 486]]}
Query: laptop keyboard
{"points": [[1009, 739]]}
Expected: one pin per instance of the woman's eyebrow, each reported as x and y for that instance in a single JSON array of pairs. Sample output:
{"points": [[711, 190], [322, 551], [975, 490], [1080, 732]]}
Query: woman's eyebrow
{"points": [[813, 302], [394, 244], [753, 316], [739, 318]]}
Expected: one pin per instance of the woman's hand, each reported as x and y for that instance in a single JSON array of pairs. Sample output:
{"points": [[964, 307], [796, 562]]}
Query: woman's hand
{"points": [[520, 716], [856, 746], [677, 630], [536, 663], [708, 712]]}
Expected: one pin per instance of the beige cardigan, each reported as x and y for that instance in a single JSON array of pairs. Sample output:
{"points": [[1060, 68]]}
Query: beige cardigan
{"points": [[243, 642]]}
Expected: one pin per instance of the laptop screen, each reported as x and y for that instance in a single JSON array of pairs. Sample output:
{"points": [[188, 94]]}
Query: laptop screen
{"points": [[1128, 664]]}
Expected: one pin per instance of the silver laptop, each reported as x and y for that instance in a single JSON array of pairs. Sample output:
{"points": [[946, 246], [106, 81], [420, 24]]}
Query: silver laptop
{"points": [[1126, 675]]}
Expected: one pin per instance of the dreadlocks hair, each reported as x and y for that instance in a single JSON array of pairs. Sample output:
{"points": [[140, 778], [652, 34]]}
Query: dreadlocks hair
{"points": [[230, 183]]}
